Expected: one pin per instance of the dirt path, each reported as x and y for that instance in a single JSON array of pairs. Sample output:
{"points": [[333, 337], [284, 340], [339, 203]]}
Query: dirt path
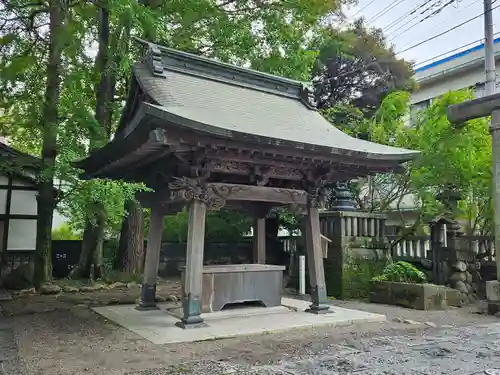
{"points": [[73, 340]]}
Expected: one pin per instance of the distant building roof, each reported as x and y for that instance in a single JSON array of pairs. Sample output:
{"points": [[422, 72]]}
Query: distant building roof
{"points": [[453, 57]]}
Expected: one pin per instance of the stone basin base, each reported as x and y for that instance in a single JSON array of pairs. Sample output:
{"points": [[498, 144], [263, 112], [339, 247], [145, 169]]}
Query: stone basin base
{"points": [[238, 283], [415, 296]]}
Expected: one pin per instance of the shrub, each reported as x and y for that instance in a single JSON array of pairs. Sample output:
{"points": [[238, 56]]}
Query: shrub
{"points": [[65, 232], [401, 272]]}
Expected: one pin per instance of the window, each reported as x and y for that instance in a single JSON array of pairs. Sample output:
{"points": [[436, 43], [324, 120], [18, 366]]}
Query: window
{"points": [[479, 89], [416, 108]]}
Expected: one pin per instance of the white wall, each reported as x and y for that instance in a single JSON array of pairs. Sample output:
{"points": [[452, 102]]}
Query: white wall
{"points": [[22, 231], [458, 73]]}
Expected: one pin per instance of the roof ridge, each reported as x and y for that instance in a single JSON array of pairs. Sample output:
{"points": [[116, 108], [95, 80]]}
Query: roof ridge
{"points": [[162, 58]]}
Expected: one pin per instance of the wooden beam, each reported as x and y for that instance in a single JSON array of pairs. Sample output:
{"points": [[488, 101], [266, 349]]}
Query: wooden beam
{"points": [[215, 195], [257, 193]]}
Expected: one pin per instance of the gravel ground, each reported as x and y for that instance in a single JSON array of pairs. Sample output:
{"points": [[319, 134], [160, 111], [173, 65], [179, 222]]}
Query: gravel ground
{"points": [[73, 340]]}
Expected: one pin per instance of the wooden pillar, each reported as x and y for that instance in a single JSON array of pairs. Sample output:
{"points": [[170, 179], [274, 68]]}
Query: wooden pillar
{"points": [[148, 291], [193, 274], [259, 240], [315, 261]]}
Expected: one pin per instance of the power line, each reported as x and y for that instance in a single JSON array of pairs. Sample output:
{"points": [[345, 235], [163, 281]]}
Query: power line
{"points": [[400, 18], [439, 10], [412, 13], [445, 32], [409, 13], [362, 9], [426, 10], [394, 4], [451, 50]]}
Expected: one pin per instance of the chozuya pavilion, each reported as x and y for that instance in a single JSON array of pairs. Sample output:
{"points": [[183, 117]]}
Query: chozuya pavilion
{"points": [[207, 134]]}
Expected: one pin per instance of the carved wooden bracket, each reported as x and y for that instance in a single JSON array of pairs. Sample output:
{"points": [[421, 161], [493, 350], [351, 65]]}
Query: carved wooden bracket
{"points": [[314, 184], [189, 189], [215, 195]]}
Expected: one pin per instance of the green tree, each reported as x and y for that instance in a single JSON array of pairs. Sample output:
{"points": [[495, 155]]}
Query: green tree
{"points": [[450, 157], [355, 70], [83, 114], [460, 158]]}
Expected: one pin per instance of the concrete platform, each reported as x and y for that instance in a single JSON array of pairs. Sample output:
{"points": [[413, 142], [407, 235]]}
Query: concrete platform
{"points": [[158, 326]]}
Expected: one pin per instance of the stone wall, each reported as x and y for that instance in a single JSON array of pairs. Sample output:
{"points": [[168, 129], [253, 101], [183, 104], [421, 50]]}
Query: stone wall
{"points": [[349, 271], [356, 254]]}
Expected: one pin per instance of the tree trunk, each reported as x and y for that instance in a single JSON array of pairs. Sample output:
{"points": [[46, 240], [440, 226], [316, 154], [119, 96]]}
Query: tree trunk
{"points": [[98, 245], [82, 269], [46, 195], [130, 253], [103, 107]]}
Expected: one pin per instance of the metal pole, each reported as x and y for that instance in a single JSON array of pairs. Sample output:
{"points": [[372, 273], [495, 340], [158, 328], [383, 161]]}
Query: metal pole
{"points": [[302, 275], [489, 50], [490, 88], [495, 144]]}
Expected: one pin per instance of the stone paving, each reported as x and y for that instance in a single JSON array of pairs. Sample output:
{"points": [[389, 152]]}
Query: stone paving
{"points": [[8, 350], [455, 351]]}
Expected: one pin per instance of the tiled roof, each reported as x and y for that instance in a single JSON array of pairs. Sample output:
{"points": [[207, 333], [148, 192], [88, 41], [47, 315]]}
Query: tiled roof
{"points": [[223, 100]]}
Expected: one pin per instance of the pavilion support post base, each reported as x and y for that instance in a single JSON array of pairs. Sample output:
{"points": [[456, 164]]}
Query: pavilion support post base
{"points": [[191, 306], [141, 307], [148, 296], [315, 259], [148, 289], [319, 309], [319, 302], [191, 324]]}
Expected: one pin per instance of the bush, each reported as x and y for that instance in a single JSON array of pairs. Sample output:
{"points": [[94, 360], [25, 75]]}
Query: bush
{"points": [[401, 272], [65, 232]]}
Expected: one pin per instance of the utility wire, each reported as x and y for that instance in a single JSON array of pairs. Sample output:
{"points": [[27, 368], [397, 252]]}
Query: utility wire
{"points": [[408, 13], [389, 7], [411, 13], [400, 18], [439, 10], [424, 11], [451, 50], [362, 9], [445, 32]]}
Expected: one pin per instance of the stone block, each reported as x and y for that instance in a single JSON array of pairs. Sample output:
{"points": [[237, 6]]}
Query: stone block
{"points": [[453, 297], [493, 307], [493, 291], [415, 296], [380, 292], [237, 283]]}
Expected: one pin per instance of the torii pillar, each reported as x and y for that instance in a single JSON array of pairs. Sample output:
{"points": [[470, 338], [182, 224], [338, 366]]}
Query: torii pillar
{"points": [[458, 114]]}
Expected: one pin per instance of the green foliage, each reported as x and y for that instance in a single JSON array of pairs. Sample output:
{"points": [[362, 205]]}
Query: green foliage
{"points": [[109, 250], [113, 276], [460, 158], [273, 36], [356, 68], [221, 226], [401, 272], [65, 232], [357, 276], [349, 276]]}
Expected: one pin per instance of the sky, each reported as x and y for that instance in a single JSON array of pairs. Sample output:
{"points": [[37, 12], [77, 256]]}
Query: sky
{"points": [[455, 13]]}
